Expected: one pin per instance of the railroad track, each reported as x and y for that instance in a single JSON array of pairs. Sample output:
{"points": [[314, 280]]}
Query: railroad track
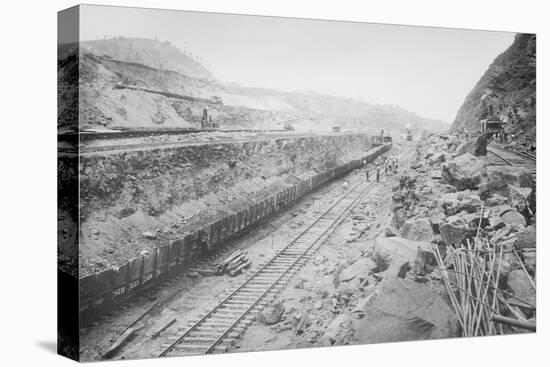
{"points": [[140, 133], [84, 149], [511, 158], [75, 142], [532, 157], [218, 328]]}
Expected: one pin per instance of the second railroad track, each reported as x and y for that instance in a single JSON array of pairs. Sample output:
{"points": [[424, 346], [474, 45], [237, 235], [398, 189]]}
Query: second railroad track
{"points": [[512, 158]]}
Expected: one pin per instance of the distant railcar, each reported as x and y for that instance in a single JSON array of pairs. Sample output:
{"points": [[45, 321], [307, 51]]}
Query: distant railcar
{"points": [[387, 139], [409, 135], [206, 121], [376, 141], [336, 129], [288, 126], [491, 126], [216, 100]]}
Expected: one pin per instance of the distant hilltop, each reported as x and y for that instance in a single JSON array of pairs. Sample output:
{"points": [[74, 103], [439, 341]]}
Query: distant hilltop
{"points": [[507, 89], [148, 52]]}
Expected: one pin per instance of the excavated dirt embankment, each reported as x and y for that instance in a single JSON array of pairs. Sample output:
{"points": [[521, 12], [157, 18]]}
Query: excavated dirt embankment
{"points": [[131, 202]]}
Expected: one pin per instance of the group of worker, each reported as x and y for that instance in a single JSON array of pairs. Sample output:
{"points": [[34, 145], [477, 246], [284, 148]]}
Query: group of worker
{"points": [[390, 163], [502, 137]]}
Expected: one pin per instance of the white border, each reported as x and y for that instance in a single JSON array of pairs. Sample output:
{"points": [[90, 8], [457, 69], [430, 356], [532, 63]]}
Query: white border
{"points": [[28, 143]]}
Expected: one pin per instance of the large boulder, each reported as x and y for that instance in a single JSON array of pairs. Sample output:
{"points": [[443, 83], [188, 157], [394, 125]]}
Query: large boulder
{"points": [[518, 197], [495, 212], [481, 146], [499, 177], [509, 263], [436, 220], [475, 220], [393, 253], [469, 201], [303, 323], [465, 147], [463, 172], [359, 269], [445, 188], [405, 310], [520, 284], [527, 239], [455, 230], [272, 313], [495, 199], [339, 331], [453, 203], [417, 230], [408, 179], [513, 217], [506, 233], [438, 158], [449, 203], [530, 259], [429, 153], [391, 231]]}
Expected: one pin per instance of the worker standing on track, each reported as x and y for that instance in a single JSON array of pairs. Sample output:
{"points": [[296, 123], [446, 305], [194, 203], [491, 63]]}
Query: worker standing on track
{"points": [[345, 186], [377, 174], [204, 121], [367, 174]]}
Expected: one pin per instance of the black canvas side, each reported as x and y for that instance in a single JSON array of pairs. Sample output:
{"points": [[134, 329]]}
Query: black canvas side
{"points": [[67, 183]]}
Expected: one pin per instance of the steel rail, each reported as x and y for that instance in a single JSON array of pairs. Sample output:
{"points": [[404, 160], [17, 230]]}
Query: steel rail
{"points": [[514, 158], [501, 157], [529, 156]]}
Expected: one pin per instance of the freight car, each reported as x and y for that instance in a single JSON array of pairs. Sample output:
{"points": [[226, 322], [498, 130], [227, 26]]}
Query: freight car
{"points": [[491, 126], [376, 141]]}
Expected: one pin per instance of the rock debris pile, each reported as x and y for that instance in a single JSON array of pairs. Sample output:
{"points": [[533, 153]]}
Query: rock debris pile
{"points": [[454, 231], [479, 221]]}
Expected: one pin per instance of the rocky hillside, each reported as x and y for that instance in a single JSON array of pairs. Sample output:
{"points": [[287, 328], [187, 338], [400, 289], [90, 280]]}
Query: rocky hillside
{"points": [[509, 87], [127, 82], [470, 209]]}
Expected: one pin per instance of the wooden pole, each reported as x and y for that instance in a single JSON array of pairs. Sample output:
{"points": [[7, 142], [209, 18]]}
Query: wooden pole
{"points": [[513, 322]]}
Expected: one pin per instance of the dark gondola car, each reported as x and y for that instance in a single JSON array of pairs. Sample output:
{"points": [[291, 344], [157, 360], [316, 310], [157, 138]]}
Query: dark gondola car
{"points": [[376, 141], [288, 126], [491, 126], [409, 135]]}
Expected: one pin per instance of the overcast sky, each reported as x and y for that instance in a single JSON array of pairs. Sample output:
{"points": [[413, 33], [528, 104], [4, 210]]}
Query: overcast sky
{"points": [[425, 70]]}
